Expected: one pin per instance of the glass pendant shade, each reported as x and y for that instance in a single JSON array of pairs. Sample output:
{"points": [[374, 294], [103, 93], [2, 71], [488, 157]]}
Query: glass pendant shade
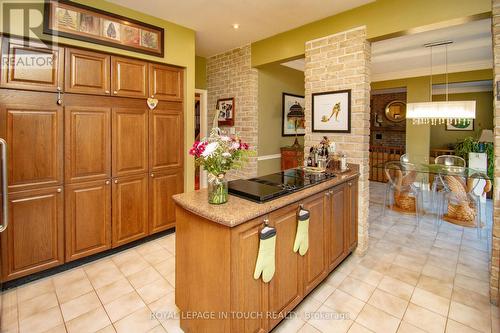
{"points": [[441, 112]]}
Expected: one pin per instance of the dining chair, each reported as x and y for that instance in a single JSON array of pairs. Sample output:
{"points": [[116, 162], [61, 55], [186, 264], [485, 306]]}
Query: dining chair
{"points": [[401, 191], [437, 185]]}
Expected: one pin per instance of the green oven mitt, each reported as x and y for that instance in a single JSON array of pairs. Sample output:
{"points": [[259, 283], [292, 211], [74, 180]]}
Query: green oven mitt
{"points": [[302, 236], [265, 260]]}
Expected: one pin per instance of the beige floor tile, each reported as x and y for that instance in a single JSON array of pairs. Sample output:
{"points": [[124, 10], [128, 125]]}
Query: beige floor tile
{"points": [[495, 324], [424, 319], [80, 305], [342, 302], [435, 286], [322, 292], [405, 327], [335, 278], [430, 301], [144, 277], [495, 311], [164, 305], [107, 329], [357, 328], [154, 290], [308, 329], [138, 321], [367, 275], [384, 301], [37, 304], [103, 273], [166, 267], [130, 263], [73, 289], [470, 317], [9, 316], [91, 321], [481, 287], [171, 279], [34, 289], [172, 326], [157, 256], [403, 274], [114, 290], [158, 329], [325, 321], [61, 328], [67, 278], [356, 288], [396, 287], [471, 298], [123, 306], [147, 248], [289, 325], [377, 320], [409, 263], [41, 321], [438, 273], [168, 242], [473, 272], [306, 307], [455, 327], [450, 265]]}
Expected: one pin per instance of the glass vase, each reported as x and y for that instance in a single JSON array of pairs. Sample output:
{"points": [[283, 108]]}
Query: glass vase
{"points": [[217, 189]]}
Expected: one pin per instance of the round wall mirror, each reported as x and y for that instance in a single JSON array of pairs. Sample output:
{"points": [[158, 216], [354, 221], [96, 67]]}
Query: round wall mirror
{"points": [[395, 111]]}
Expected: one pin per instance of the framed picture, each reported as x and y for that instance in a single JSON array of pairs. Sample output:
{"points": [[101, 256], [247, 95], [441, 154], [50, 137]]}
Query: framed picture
{"points": [[466, 125], [73, 20], [225, 107], [288, 124], [331, 111]]}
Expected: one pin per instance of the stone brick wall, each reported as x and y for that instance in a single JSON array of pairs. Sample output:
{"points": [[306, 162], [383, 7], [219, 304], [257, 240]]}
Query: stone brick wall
{"points": [[230, 74], [338, 62], [495, 256], [392, 134]]}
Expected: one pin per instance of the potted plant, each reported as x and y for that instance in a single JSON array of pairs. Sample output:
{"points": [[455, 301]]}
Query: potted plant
{"points": [[471, 145]]}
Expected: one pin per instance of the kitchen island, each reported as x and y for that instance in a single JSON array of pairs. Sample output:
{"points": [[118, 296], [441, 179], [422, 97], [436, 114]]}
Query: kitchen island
{"points": [[217, 248]]}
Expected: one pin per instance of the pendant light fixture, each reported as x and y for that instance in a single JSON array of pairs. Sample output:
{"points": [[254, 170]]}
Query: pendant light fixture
{"points": [[439, 113]]}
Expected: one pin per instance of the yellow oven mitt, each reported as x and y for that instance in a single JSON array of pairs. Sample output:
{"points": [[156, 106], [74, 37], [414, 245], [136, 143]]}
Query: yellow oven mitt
{"points": [[266, 258], [302, 236]]}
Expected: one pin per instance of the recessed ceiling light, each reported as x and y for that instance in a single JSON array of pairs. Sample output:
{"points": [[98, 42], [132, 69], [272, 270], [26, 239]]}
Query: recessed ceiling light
{"points": [[236, 25]]}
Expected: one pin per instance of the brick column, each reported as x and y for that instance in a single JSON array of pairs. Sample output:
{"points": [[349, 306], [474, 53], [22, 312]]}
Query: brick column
{"points": [[339, 62], [230, 74], [495, 255]]}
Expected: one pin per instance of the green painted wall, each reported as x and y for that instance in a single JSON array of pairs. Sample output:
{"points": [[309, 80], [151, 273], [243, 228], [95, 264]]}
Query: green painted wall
{"points": [[417, 136], [381, 17], [440, 137], [179, 50], [274, 80], [200, 80]]}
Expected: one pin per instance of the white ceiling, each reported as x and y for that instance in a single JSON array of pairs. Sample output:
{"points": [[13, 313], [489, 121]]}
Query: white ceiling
{"points": [[258, 19], [406, 56]]}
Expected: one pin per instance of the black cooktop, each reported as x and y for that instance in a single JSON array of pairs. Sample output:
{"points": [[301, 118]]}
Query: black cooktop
{"points": [[265, 188]]}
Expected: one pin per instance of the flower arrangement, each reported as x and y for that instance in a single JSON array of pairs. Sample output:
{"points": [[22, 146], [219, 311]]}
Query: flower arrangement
{"points": [[218, 154]]}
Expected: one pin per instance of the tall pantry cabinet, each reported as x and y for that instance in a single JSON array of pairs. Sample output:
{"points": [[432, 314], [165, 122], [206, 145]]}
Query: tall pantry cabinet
{"points": [[90, 165]]}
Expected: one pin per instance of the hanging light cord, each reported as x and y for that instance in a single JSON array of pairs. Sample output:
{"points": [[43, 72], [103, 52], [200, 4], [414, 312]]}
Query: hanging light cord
{"points": [[430, 97], [446, 68]]}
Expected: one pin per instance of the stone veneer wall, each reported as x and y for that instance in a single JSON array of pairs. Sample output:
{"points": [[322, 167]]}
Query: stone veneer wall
{"points": [[230, 74], [337, 62], [495, 256]]}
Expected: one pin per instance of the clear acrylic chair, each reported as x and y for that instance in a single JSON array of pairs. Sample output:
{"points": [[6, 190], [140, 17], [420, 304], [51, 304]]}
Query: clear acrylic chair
{"points": [[437, 184], [401, 191]]}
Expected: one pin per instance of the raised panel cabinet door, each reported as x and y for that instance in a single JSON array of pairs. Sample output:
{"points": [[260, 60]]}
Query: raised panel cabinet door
{"points": [[336, 226], [34, 135], [87, 72], [34, 239], [162, 186], [129, 209], [129, 77], [87, 143], [286, 287], [315, 260], [31, 65], [87, 218], [165, 82], [130, 141], [248, 294], [353, 216], [165, 140]]}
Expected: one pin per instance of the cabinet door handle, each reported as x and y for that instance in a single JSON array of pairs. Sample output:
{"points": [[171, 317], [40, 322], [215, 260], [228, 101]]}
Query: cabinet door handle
{"points": [[152, 175], [116, 181], [59, 190], [350, 184], [106, 182], [266, 221], [5, 194], [327, 193], [115, 92], [107, 91]]}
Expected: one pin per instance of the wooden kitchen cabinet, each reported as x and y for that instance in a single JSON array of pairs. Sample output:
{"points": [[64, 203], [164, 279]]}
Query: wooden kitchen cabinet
{"points": [[87, 72], [315, 260], [129, 77], [34, 239], [286, 287], [87, 143], [32, 65], [87, 218], [129, 141], [32, 125], [162, 185], [336, 220], [129, 209], [165, 135], [165, 82], [352, 219]]}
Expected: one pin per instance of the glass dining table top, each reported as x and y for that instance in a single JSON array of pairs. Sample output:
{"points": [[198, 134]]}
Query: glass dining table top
{"points": [[434, 169]]}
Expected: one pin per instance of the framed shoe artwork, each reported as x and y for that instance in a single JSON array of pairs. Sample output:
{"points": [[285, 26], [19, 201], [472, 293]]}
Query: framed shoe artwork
{"points": [[331, 111], [76, 21]]}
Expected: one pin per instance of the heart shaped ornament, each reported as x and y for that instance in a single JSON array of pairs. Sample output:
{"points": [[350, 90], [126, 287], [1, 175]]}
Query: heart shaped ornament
{"points": [[152, 103]]}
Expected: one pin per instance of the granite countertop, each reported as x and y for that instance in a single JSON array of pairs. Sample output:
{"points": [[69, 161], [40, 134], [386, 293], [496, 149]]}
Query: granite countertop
{"points": [[237, 210]]}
